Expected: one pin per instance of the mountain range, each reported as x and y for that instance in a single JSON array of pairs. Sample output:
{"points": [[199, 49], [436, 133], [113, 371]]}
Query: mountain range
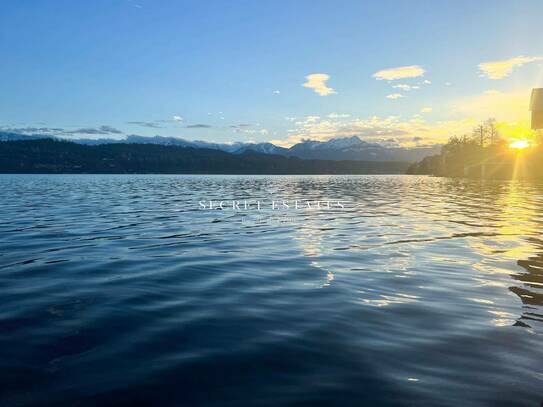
{"points": [[346, 148], [49, 156]]}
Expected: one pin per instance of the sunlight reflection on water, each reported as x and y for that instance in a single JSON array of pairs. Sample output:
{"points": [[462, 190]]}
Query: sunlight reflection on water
{"points": [[120, 288]]}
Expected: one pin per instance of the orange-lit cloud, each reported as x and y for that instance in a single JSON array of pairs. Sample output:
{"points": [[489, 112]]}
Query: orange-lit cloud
{"points": [[509, 108], [503, 68], [402, 72], [317, 82], [390, 130]]}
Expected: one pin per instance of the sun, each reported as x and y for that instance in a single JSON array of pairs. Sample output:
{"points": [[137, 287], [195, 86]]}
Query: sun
{"points": [[519, 144]]}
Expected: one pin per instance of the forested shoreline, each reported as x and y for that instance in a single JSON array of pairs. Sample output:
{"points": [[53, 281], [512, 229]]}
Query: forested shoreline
{"points": [[484, 154], [61, 157]]}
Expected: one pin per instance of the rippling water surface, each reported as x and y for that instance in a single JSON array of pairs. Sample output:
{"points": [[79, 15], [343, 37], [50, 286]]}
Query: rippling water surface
{"points": [[121, 290]]}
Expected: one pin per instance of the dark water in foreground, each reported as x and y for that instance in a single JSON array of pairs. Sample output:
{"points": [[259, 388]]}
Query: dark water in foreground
{"points": [[119, 290]]}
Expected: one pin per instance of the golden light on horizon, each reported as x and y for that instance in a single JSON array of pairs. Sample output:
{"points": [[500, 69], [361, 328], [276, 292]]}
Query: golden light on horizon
{"points": [[519, 144]]}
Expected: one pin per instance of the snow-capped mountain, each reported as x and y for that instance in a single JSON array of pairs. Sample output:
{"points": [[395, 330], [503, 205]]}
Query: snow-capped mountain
{"points": [[343, 143], [337, 144], [346, 148], [346, 142], [354, 148], [265, 148]]}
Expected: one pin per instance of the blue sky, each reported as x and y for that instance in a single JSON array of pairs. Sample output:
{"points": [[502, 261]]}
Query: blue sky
{"points": [[235, 70]]}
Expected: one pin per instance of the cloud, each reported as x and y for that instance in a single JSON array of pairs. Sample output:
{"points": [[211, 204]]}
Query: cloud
{"points": [[33, 130], [248, 129], [338, 115], [198, 126], [152, 125], [402, 72], [395, 96], [317, 82], [159, 124], [276, 92], [426, 110], [240, 128], [406, 87], [382, 130], [426, 82], [58, 131], [312, 119], [503, 68], [102, 130], [134, 4], [111, 130]]}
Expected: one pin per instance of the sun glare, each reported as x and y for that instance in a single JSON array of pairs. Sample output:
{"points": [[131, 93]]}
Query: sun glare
{"points": [[519, 144]]}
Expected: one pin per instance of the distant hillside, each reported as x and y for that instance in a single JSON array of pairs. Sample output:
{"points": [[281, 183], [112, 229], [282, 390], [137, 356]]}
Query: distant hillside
{"points": [[52, 156], [11, 136]]}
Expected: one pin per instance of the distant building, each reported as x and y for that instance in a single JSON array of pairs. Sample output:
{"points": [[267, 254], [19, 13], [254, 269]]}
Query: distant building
{"points": [[536, 107]]}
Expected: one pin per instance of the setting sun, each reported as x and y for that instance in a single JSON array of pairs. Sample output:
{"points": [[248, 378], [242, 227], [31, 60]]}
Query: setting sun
{"points": [[519, 144]]}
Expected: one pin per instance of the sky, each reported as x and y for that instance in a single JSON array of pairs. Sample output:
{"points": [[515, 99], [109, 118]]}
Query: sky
{"points": [[404, 73]]}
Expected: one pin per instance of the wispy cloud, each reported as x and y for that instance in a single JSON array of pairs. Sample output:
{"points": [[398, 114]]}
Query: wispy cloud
{"points": [[503, 68], [239, 128], [198, 126], [177, 119], [152, 125], [33, 130], [426, 110], [249, 129], [103, 130], [406, 87], [395, 96], [133, 4], [312, 119], [402, 72], [338, 115], [317, 82]]}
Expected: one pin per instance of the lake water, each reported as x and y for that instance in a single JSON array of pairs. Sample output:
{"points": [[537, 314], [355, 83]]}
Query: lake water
{"points": [[123, 290]]}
